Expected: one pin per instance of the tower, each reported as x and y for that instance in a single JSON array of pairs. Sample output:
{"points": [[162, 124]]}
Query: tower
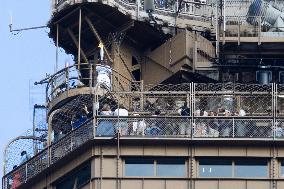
{"points": [[181, 94]]}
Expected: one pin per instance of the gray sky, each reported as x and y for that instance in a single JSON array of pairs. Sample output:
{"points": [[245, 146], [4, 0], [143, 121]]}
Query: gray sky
{"points": [[24, 58]]}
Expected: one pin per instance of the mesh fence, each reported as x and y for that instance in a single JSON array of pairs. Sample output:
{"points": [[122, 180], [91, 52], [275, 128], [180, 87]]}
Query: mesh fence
{"points": [[42, 160], [147, 126], [230, 127], [185, 127], [88, 76], [71, 141], [186, 110]]}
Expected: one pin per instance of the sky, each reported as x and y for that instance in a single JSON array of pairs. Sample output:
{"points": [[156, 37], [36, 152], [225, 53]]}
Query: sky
{"points": [[24, 59]]}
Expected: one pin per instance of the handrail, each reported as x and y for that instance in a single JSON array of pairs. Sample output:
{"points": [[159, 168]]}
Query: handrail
{"points": [[175, 126], [68, 78]]}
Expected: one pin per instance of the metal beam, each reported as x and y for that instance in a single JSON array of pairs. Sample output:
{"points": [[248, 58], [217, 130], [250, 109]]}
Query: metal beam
{"points": [[77, 45], [79, 38], [98, 37], [125, 27]]}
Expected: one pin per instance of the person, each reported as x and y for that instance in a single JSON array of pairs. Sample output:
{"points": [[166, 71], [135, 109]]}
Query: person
{"points": [[226, 125], [16, 181], [87, 112], [78, 120], [184, 127], [104, 72], [241, 124], [24, 157], [121, 125], [154, 128], [279, 130], [105, 126]]}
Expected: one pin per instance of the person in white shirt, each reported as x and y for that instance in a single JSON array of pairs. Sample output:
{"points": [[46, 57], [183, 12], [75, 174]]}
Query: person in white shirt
{"points": [[122, 124], [104, 72], [241, 130]]}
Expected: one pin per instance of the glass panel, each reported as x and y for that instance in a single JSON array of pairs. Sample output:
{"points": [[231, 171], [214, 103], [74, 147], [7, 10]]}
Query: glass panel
{"points": [[171, 167], [139, 167], [81, 175], [282, 168], [251, 168], [215, 168], [84, 175], [67, 183]]}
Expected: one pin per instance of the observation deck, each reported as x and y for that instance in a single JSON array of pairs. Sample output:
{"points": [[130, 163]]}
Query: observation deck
{"points": [[216, 112], [238, 21]]}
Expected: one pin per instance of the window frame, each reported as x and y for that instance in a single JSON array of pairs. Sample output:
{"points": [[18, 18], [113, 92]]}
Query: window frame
{"points": [[155, 167], [233, 165]]}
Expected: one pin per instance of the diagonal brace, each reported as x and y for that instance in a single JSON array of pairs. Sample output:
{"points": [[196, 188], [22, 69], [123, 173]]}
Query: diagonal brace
{"points": [[98, 37], [77, 44]]}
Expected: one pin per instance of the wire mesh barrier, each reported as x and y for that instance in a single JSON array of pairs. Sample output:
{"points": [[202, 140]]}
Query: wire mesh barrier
{"points": [[37, 164], [71, 78], [48, 156], [193, 111], [233, 128], [71, 141], [144, 126], [198, 127]]}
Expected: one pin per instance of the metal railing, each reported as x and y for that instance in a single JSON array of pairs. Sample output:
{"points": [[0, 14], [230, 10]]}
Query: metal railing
{"points": [[48, 156], [216, 111], [249, 26], [190, 127], [71, 78]]}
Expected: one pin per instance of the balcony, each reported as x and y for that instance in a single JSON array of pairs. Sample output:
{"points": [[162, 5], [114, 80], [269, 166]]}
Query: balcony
{"points": [[195, 13], [238, 24], [218, 112]]}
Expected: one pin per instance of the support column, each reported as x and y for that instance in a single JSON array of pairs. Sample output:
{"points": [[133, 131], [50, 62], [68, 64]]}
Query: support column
{"points": [[79, 38]]}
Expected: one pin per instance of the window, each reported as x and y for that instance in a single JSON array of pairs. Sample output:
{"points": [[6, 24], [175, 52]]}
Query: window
{"points": [[251, 168], [77, 178], [215, 168], [233, 168], [139, 167], [160, 167], [282, 168], [171, 167]]}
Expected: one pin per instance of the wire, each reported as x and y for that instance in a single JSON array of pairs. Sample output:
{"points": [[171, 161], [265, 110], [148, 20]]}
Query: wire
{"points": [[24, 29]]}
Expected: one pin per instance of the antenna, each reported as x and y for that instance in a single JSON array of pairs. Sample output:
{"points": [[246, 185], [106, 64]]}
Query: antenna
{"points": [[21, 29]]}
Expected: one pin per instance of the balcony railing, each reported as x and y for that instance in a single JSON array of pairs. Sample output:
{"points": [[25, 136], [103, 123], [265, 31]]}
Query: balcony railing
{"points": [[217, 111], [71, 78], [48, 156], [189, 128], [237, 24]]}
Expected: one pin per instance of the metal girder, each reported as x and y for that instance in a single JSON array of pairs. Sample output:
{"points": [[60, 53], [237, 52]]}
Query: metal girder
{"points": [[98, 37], [77, 44], [125, 27]]}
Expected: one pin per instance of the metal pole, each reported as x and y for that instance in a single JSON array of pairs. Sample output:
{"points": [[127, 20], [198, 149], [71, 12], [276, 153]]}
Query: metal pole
{"points": [[217, 30], [26, 172], [34, 127], [57, 44], [224, 15], [239, 31], [259, 30], [49, 133], [79, 40], [224, 21]]}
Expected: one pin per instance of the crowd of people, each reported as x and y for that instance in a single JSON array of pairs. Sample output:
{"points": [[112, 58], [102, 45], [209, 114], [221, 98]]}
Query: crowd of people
{"points": [[204, 124]]}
